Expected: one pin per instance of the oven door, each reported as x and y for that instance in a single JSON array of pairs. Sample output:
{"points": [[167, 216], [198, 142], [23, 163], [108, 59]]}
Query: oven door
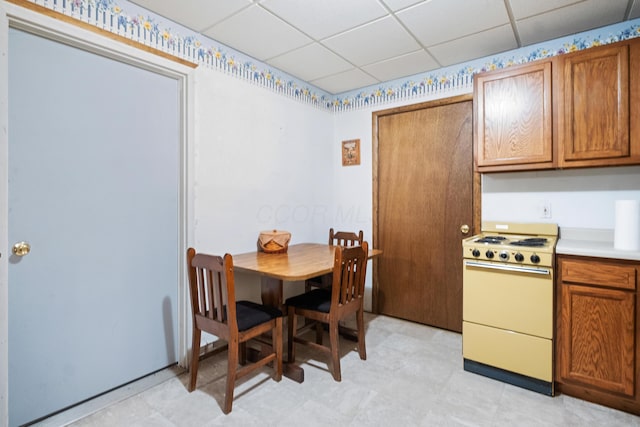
{"points": [[511, 297], [507, 326]]}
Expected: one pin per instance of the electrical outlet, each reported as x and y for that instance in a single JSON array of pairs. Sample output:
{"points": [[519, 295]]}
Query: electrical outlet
{"points": [[545, 209]]}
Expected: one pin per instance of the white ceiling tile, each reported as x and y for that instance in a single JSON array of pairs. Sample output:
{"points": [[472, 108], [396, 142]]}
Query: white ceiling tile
{"points": [[396, 5], [579, 17], [310, 62], [475, 46], [195, 14], [635, 10], [526, 8], [345, 81], [373, 42], [323, 18], [289, 34], [402, 66], [438, 21], [257, 33]]}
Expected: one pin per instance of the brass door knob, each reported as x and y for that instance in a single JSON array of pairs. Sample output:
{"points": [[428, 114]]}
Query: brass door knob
{"points": [[21, 248], [464, 229]]}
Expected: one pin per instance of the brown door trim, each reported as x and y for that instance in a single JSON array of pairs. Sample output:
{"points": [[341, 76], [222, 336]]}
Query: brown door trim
{"points": [[477, 182]]}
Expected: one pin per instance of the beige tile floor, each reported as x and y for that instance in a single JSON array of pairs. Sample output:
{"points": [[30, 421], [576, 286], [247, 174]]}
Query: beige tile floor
{"points": [[413, 376]]}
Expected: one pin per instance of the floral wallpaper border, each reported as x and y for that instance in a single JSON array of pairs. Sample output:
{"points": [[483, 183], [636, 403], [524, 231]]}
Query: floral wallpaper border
{"points": [[111, 16]]}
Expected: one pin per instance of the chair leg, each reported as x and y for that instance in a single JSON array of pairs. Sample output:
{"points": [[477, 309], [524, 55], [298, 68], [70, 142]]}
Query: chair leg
{"points": [[291, 325], [307, 288], [242, 358], [362, 349], [334, 339], [319, 332], [195, 358], [232, 367], [277, 345]]}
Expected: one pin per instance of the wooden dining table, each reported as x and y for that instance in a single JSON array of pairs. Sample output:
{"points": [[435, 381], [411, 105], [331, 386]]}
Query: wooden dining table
{"points": [[301, 261]]}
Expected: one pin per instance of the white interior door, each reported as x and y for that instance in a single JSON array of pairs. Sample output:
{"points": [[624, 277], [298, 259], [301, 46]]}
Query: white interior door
{"points": [[94, 165]]}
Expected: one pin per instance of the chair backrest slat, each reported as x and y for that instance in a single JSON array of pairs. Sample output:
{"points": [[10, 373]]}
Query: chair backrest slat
{"points": [[200, 295], [350, 266], [211, 283], [345, 238], [215, 294], [212, 298]]}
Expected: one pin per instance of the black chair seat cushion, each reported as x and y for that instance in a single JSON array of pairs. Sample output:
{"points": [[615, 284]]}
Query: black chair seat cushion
{"points": [[317, 299], [324, 281], [250, 314]]}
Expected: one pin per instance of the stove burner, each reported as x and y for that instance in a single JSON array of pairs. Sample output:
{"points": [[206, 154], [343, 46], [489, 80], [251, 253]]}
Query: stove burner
{"points": [[531, 242], [495, 240]]}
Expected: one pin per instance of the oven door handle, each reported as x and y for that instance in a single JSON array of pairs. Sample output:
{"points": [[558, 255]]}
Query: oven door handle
{"points": [[519, 268]]}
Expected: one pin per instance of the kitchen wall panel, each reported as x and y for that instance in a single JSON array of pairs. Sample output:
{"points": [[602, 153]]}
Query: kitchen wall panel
{"points": [[262, 161], [583, 198]]}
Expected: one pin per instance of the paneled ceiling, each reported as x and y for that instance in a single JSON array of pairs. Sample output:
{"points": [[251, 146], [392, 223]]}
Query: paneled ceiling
{"points": [[343, 45]]}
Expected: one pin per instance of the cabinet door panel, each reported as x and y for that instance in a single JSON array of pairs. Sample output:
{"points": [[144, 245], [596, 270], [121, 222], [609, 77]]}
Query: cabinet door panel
{"points": [[596, 105], [597, 338], [513, 118]]}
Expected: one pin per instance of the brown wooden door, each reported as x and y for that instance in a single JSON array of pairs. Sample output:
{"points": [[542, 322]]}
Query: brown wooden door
{"points": [[424, 194]]}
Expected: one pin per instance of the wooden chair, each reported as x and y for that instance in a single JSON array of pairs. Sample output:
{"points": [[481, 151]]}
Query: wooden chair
{"points": [[329, 306], [216, 311], [340, 238]]}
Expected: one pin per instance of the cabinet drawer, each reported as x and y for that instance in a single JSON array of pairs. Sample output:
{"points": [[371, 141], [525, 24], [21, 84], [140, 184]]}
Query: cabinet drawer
{"points": [[600, 273]]}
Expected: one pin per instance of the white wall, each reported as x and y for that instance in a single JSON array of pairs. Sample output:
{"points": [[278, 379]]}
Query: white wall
{"points": [[265, 161], [579, 198], [353, 184], [262, 161]]}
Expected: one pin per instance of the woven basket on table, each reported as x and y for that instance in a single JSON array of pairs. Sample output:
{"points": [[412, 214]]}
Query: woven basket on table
{"points": [[274, 241]]}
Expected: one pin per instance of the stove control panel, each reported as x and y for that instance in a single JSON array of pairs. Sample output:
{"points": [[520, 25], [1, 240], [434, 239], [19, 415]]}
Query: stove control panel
{"points": [[517, 256]]}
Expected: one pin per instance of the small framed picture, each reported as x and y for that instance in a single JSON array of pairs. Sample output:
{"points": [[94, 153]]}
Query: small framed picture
{"points": [[351, 152]]}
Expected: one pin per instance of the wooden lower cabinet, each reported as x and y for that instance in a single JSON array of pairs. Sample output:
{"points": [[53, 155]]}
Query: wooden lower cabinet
{"points": [[597, 349]]}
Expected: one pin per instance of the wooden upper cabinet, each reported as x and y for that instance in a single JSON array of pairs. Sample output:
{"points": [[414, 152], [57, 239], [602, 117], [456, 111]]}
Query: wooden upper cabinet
{"points": [[513, 118], [594, 109], [580, 109]]}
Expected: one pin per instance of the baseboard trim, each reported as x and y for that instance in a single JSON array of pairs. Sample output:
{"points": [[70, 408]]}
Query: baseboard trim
{"points": [[95, 404]]}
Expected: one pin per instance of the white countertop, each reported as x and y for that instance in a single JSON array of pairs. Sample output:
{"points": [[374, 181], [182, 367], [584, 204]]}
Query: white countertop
{"points": [[591, 242]]}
